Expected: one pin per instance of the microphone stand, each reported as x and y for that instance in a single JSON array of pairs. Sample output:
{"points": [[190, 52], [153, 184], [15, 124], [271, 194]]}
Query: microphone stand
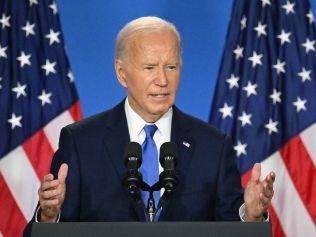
{"points": [[151, 210]]}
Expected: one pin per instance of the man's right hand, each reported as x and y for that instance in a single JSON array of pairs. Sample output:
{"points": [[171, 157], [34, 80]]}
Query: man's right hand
{"points": [[52, 194]]}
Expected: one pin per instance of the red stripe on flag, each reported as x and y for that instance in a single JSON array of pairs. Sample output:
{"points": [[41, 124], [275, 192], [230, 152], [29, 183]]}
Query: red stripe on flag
{"points": [[277, 230], [302, 172], [75, 111], [39, 152], [12, 221]]}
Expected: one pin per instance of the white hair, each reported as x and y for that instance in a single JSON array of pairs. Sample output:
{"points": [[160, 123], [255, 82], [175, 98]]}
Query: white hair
{"points": [[148, 24]]}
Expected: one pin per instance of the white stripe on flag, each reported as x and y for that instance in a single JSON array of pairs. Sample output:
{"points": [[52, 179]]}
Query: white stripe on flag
{"points": [[21, 179], [1, 234], [308, 137], [292, 214], [53, 128]]}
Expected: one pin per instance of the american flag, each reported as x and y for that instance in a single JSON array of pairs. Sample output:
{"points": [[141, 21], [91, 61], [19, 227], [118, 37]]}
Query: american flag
{"points": [[37, 98], [266, 100]]}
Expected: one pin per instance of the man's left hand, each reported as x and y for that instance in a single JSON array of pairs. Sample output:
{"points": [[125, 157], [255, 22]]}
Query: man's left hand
{"points": [[258, 194]]}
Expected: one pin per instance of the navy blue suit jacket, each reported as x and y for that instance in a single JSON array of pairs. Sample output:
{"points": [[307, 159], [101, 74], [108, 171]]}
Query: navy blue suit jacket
{"points": [[209, 187]]}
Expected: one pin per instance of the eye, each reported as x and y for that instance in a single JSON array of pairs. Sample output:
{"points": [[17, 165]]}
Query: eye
{"points": [[149, 68], [172, 67]]}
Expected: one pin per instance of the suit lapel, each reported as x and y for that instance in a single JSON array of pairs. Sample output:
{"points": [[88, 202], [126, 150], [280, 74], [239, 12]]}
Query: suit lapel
{"points": [[115, 142], [181, 136]]}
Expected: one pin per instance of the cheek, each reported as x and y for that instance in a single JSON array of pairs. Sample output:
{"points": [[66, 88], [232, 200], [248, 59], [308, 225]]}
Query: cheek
{"points": [[174, 84]]}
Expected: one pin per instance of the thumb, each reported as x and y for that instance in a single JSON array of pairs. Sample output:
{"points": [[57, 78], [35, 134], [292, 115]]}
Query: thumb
{"points": [[62, 173], [256, 172]]}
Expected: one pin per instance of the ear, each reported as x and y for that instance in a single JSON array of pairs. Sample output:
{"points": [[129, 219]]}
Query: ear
{"points": [[120, 72]]}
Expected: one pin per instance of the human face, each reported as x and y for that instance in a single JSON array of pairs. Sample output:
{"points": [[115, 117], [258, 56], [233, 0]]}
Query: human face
{"points": [[151, 73]]}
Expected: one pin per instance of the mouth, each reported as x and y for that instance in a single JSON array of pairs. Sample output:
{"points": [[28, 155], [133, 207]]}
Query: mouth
{"points": [[159, 95]]}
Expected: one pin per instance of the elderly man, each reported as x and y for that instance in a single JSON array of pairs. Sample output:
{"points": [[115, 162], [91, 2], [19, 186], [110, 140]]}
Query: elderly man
{"points": [[88, 168]]}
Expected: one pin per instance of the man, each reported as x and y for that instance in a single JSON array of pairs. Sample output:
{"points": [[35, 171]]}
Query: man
{"points": [[88, 167]]}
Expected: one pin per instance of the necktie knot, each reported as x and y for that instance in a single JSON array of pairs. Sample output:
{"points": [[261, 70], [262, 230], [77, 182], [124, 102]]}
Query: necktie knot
{"points": [[150, 130]]}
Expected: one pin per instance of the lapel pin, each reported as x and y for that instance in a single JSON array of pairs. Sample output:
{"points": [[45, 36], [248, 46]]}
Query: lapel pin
{"points": [[186, 144]]}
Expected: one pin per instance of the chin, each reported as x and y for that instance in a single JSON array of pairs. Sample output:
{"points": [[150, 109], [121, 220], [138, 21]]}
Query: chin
{"points": [[160, 110]]}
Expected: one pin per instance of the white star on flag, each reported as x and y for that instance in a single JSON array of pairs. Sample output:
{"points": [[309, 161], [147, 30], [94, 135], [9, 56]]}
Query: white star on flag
{"points": [[309, 45], [276, 96], [272, 126], [250, 89], [289, 7], [24, 59], [238, 52], [70, 76], [53, 6], [29, 29], [279, 66], [49, 67], [245, 119], [240, 148], [19, 90], [300, 104], [243, 22], [265, 2], [33, 2], [2, 52], [305, 75], [15, 121], [255, 59], [5, 21], [260, 29], [233, 81], [53, 37], [284, 37], [310, 16], [0, 82], [45, 98], [226, 111]]}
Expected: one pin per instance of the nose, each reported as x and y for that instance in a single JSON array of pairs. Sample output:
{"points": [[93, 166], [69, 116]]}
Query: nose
{"points": [[162, 77]]}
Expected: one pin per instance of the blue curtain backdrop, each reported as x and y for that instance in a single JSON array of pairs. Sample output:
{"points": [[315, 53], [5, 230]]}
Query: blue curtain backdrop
{"points": [[90, 28]]}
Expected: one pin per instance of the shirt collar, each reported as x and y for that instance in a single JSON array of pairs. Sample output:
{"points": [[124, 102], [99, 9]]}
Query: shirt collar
{"points": [[136, 123]]}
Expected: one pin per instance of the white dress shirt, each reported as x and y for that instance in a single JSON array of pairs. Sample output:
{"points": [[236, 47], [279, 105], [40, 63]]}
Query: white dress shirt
{"points": [[137, 133]]}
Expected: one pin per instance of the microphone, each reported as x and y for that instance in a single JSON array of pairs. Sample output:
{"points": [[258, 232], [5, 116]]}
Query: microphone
{"points": [[132, 161], [168, 160]]}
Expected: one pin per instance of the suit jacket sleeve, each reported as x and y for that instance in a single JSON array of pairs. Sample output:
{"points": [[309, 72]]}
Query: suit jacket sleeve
{"points": [[229, 189], [67, 153]]}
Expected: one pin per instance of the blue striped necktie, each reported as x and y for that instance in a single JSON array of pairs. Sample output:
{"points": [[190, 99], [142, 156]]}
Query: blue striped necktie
{"points": [[150, 165]]}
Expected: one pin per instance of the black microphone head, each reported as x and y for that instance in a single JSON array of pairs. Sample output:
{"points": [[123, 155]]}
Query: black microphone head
{"points": [[168, 155], [133, 155]]}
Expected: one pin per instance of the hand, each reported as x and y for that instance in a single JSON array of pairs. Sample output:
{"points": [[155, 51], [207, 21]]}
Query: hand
{"points": [[52, 194], [258, 194]]}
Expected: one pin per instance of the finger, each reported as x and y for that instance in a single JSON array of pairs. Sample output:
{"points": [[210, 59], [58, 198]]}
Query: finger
{"points": [[268, 192], [50, 185], [48, 177], [51, 194], [270, 182], [256, 172], [62, 173], [50, 203], [272, 175], [265, 202]]}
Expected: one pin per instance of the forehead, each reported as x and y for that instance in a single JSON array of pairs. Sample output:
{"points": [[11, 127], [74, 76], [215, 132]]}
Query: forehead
{"points": [[161, 43]]}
